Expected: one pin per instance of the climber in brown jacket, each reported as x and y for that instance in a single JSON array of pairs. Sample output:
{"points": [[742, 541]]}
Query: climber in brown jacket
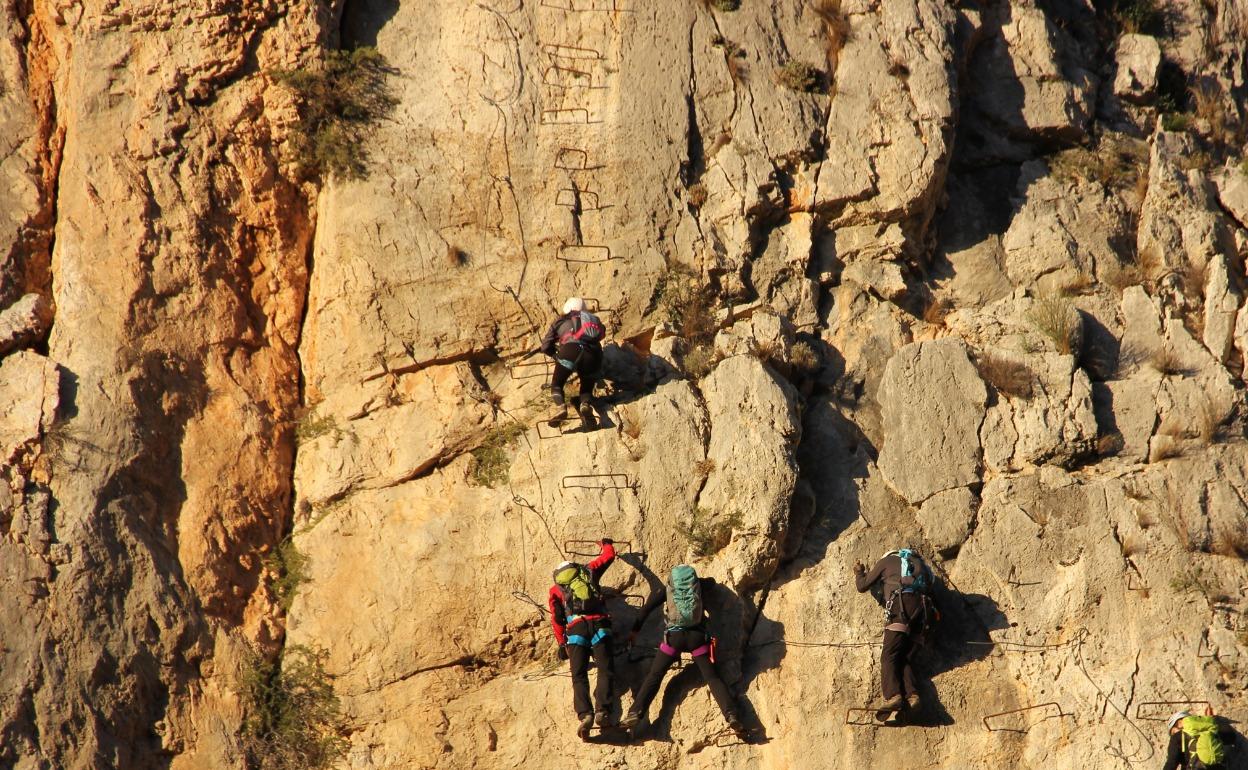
{"points": [[907, 583]]}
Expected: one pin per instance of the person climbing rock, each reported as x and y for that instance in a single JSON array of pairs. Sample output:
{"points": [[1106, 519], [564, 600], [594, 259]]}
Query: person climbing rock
{"points": [[686, 631], [582, 626], [574, 340], [908, 612], [1197, 742]]}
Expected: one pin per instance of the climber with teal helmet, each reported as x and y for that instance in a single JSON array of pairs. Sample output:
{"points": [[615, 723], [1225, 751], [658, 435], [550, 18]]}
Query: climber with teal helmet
{"points": [[582, 626], [908, 612], [686, 631], [1197, 742], [574, 340]]}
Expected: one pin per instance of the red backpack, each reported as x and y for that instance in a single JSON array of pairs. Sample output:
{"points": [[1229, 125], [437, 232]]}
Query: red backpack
{"points": [[586, 329]]}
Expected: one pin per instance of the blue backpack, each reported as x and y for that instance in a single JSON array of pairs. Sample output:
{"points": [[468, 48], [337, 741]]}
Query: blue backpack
{"points": [[916, 576]]}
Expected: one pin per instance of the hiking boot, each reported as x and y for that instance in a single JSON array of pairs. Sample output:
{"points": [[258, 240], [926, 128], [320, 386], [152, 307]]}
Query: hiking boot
{"points": [[587, 724], [587, 416], [737, 726], [912, 700], [892, 704], [558, 415], [603, 719]]}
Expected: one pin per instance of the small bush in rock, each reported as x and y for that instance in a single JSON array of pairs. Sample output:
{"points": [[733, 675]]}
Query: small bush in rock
{"points": [[290, 565], [685, 304], [1109, 444], [708, 537], [1052, 316], [1138, 16], [312, 427], [697, 195], [722, 5], [800, 76], [804, 358], [490, 461], [293, 718], [1210, 422], [339, 101], [1007, 376], [1192, 581], [700, 360]]}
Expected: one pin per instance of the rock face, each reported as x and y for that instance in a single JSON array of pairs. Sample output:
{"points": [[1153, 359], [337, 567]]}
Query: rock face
{"points": [[954, 284], [933, 404]]}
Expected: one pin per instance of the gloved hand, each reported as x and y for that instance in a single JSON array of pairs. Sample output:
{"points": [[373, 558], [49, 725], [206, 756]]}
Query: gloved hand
{"points": [[859, 568], [606, 541], [563, 652]]}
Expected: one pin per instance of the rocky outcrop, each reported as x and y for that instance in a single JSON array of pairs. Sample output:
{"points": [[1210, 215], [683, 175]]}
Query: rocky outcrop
{"points": [[955, 276]]}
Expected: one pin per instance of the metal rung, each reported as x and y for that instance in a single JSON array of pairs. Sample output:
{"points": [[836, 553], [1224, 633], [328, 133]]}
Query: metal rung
{"points": [[583, 254], [573, 159], [568, 545], [584, 200], [573, 78], [531, 369], [1052, 704], [571, 51], [605, 481], [567, 116], [1169, 708]]}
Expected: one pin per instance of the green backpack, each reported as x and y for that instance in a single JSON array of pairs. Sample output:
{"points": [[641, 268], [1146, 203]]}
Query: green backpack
{"points": [[577, 587], [1202, 741], [684, 598]]}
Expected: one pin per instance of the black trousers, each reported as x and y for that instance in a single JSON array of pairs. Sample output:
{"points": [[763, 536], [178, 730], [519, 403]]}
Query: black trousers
{"points": [[578, 662], [684, 640], [588, 361], [896, 673]]}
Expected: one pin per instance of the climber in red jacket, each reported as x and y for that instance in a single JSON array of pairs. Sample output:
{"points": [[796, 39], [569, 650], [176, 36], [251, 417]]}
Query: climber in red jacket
{"points": [[582, 626]]}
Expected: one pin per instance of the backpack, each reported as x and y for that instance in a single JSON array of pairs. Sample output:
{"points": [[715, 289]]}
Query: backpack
{"points": [[684, 598], [1202, 742], [577, 587], [586, 329], [916, 576]]}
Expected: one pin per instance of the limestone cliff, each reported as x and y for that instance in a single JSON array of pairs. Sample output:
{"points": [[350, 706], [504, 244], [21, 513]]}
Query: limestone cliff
{"points": [[967, 276]]}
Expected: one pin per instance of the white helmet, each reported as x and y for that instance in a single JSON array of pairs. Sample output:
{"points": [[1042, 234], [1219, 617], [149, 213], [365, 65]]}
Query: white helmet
{"points": [[1175, 717], [573, 305]]}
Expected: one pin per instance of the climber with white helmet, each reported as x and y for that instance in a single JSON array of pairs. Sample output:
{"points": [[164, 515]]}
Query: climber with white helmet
{"points": [[908, 612], [582, 626], [574, 340], [1197, 742]]}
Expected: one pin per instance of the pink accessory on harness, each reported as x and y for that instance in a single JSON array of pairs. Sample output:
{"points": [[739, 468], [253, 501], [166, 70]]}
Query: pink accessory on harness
{"points": [[670, 651]]}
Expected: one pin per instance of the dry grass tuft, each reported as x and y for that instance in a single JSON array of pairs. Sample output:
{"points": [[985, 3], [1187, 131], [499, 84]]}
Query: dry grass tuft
{"points": [[1007, 376], [1132, 544], [1117, 162], [1109, 444], [1077, 285], [704, 467], [1231, 541], [804, 358], [1165, 447], [721, 5], [1055, 319], [1167, 362], [1121, 277], [1211, 422], [836, 29], [937, 310]]}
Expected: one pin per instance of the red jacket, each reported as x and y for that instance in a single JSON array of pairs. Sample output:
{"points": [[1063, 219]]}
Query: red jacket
{"points": [[554, 600]]}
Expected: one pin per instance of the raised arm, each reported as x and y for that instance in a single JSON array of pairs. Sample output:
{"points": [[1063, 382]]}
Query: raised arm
{"points": [[864, 580]]}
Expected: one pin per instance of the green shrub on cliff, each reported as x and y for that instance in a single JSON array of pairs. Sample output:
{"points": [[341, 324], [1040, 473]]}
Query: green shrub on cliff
{"points": [[293, 718], [338, 101]]}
